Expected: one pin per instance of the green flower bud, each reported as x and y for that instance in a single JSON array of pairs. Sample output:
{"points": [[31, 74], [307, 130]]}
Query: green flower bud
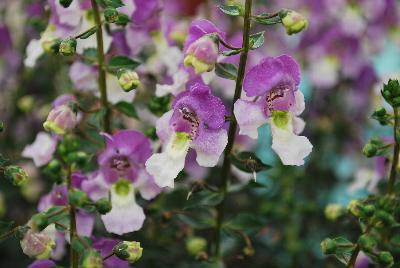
{"points": [[328, 246], [39, 222], [80, 158], [78, 198], [367, 243], [68, 46], [354, 207], [391, 92], [370, 150], [293, 21], [128, 79], [386, 259], [386, 218], [65, 3], [54, 166], [379, 112], [334, 211], [51, 45], [16, 175], [103, 206], [128, 251], [368, 210], [92, 259], [195, 245], [111, 15]]}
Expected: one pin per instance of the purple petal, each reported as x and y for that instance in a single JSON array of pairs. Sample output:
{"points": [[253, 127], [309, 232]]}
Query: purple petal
{"points": [[96, 187], [105, 246], [42, 264], [147, 187], [84, 223], [198, 28]]}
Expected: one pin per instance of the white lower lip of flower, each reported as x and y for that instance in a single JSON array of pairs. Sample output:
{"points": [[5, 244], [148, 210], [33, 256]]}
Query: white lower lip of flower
{"points": [[119, 198]]}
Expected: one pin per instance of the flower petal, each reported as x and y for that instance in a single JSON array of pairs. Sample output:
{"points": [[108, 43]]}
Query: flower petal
{"points": [[41, 150], [250, 116], [209, 146], [146, 185]]}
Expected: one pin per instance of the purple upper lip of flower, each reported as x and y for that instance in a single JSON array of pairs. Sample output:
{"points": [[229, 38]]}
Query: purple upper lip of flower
{"points": [[126, 151]]}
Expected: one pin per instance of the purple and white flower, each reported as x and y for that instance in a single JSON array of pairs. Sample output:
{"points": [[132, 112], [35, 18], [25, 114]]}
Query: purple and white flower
{"points": [[274, 82], [41, 150], [196, 121], [122, 174]]}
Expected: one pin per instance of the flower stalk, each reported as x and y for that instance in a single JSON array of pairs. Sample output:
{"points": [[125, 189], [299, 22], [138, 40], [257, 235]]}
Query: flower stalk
{"points": [[396, 151], [226, 166], [102, 74], [74, 255]]}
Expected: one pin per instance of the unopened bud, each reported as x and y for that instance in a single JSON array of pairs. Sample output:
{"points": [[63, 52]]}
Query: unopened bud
{"points": [[78, 198], [60, 120], [328, 246], [37, 245], [68, 46], [202, 54], [92, 259], [386, 259], [103, 206], [128, 251], [80, 158], [16, 175], [128, 79], [370, 150], [386, 218], [293, 21], [195, 245], [367, 243], [368, 210], [334, 211], [111, 15], [354, 207]]}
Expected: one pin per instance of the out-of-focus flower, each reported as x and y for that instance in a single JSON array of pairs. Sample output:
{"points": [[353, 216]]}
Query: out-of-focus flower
{"points": [[92, 259], [202, 54], [41, 150], [42, 264], [37, 245], [16, 175], [61, 120], [196, 121], [274, 82]]}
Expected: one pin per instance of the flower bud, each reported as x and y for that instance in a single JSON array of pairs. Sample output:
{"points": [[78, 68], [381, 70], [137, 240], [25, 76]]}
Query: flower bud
{"points": [[111, 15], [78, 198], [103, 206], [37, 245], [128, 79], [195, 245], [202, 54], [386, 218], [60, 120], [68, 46], [54, 166], [386, 259], [128, 251], [51, 45], [65, 3], [380, 112], [354, 207], [80, 158], [391, 92], [16, 175], [368, 210], [328, 246], [293, 21], [367, 243], [334, 211], [370, 150], [92, 259]]}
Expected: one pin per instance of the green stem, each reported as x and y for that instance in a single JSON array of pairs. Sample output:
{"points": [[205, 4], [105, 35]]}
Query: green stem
{"points": [[225, 173], [74, 255], [102, 74], [396, 150], [353, 258]]}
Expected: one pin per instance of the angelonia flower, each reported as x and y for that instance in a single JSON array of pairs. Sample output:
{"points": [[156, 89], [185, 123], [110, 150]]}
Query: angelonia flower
{"points": [[274, 82], [37, 245], [128, 79], [202, 54], [196, 121], [41, 150], [130, 251], [293, 21], [61, 120], [121, 174]]}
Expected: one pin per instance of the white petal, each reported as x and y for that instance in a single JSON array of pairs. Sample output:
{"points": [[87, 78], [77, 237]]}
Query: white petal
{"points": [[210, 147], [298, 125], [179, 82], [300, 104], [250, 116], [33, 51], [41, 150]]}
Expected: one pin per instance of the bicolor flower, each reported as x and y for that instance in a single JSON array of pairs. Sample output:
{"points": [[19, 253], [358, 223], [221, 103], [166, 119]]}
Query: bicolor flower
{"points": [[121, 174], [278, 101], [202, 54], [196, 121], [41, 150], [61, 120]]}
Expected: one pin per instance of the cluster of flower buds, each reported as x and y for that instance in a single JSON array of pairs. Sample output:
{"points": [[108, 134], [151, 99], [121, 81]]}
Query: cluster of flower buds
{"points": [[129, 251], [391, 92]]}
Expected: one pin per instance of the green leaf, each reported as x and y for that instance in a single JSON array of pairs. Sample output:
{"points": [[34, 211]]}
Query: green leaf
{"points": [[89, 55], [60, 215], [88, 33], [231, 52], [246, 222], [226, 70], [204, 199], [343, 254], [266, 19], [127, 109], [257, 40], [198, 218], [123, 19], [111, 3], [232, 10], [122, 62], [248, 162]]}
